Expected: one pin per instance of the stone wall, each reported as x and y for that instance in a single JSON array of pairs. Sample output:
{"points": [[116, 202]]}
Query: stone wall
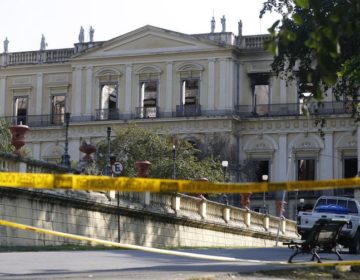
{"points": [[152, 220]]}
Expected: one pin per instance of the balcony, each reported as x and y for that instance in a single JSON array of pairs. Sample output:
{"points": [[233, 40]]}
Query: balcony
{"points": [[107, 114], [293, 109], [192, 110], [146, 112], [38, 120]]}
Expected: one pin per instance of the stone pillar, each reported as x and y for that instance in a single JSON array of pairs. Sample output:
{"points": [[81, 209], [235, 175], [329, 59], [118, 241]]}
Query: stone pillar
{"points": [[202, 209], [283, 95], [128, 86], [89, 93], [2, 95], [39, 93], [247, 218], [226, 214], [266, 223], [175, 202], [142, 169], [76, 92], [169, 93], [326, 162], [211, 85], [222, 91]]}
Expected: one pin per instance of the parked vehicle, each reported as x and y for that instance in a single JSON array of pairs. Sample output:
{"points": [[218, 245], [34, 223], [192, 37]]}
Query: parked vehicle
{"points": [[335, 207]]}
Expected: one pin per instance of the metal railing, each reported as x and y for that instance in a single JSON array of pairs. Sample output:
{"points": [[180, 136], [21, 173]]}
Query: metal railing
{"points": [[107, 114], [188, 110], [37, 120], [294, 109], [146, 112]]}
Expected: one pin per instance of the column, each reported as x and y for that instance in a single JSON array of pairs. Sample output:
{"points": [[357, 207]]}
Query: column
{"points": [[211, 85], [168, 91], [89, 88], [326, 161], [222, 92], [283, 97], [39, 93], [76, 92], [128, 85], [2, 95], [283, 171], [230, 85]]}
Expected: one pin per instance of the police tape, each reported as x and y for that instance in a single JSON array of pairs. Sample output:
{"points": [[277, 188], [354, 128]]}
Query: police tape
{"points": [[126, 184], [126, 246], [170, 252]]}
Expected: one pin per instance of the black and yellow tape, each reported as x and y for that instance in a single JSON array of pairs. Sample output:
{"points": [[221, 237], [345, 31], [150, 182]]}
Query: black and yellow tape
{"points": [[104, 183]]}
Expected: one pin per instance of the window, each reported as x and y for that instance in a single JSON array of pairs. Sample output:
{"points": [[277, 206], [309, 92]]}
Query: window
{"points": [[57, 109], [148, 99], [190, 92], [108, 101], [21, 109], [261, 93], [306, 169], [349, 171]]}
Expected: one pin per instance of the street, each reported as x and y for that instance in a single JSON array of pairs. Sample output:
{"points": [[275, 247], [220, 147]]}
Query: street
{"points": [[128, 264]]}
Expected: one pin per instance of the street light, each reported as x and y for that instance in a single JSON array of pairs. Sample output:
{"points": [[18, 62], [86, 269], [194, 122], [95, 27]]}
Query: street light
{"points": [[174, 161], [65, 158], [224, 165], [265, 178], [108, 168]]}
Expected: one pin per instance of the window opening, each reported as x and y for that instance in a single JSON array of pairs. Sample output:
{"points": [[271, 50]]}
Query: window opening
{"points": [[57, 109], [21, 109]]}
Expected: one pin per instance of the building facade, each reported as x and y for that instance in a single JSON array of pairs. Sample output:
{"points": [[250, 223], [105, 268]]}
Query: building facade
{"points": [[214, 89]]}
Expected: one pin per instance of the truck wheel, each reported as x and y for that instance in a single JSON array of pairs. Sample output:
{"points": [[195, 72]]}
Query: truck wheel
{"points": [[354, 248]]}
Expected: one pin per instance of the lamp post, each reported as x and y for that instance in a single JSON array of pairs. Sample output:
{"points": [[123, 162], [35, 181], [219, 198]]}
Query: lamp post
{"points": [[224, 165], [302, 201], [65, 158], [265, 178], [174, 161], [108, 165]]}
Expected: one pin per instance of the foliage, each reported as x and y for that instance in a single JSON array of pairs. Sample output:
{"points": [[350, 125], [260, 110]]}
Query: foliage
{"points": [[135, 143], [317, 41], [5, 137]]}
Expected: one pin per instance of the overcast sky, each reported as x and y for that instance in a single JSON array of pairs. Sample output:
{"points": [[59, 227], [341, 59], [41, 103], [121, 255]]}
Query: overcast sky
{"points": [[24, 21]]}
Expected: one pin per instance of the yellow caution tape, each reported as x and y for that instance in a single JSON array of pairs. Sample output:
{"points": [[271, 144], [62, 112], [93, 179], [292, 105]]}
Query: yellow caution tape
{"points": [[168, 252], [104, 183]]}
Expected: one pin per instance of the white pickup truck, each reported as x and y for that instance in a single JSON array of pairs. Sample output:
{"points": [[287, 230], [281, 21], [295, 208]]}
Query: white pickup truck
{"points": [[335, 207]]}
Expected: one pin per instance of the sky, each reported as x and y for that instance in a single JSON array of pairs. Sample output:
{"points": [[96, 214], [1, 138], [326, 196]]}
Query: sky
{"points": [[24, 21]]}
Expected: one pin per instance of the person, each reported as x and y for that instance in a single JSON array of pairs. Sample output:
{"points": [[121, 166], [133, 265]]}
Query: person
{"points": [[91, 33], [42, 43], [223, 24], [81, 35], [6, 45], [224, 199]]}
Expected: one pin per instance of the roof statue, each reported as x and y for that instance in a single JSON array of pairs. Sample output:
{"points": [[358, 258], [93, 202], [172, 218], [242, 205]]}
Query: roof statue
{"points": [[91, 33], [240, 28], [81, 35], [213, 25], [43, 44], [6, 45], [223, 24]]}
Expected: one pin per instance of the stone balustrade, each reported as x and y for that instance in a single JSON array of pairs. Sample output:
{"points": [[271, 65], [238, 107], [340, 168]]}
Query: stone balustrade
{"points": [[253, 41]]}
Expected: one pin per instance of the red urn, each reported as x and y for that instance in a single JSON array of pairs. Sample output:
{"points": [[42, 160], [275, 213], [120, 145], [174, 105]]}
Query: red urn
{"points": [[18, 137], [87, 149], [245, 200], [142, 168]]}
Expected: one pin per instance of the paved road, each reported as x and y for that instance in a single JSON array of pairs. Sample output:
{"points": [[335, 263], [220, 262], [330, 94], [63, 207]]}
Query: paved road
{"points": [[126, 264]]}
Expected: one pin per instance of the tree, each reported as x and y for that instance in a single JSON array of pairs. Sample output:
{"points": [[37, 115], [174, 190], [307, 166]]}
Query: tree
{"points": [[317, 42], [135, 143], [5, 137]]}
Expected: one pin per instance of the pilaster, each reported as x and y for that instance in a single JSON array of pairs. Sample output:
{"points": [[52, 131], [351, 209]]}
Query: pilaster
{"points": [[222, 90], [211, 85], [76, 92], [2, 95], [169, 94], [282, 162], [89, 88], [39, 93], [283, 96], [326, 163], [128, 83]]}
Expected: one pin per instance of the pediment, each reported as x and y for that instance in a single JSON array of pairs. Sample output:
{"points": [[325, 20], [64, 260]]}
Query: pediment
{"points": [[148, 40]]}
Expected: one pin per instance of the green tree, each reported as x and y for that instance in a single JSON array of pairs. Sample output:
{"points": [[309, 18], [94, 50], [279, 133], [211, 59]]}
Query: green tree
{"points": [[317, 41], [5, 137], [134, 143]]}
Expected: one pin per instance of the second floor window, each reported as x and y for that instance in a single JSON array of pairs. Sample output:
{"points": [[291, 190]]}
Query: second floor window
{"points": [[190, 92], [148, 98], [109, 101], [21, 109], [57, 109], [306, 169]]}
